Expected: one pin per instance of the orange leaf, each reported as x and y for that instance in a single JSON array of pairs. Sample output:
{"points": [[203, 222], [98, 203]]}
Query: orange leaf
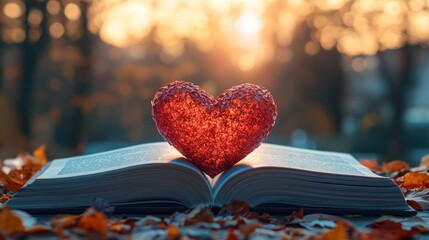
{"points": [[60, 222], [17, 177], [415, 180], [371, 164], [39, 230], [94, 221], [10, 223], [40, 154], [390, 230], [394, 166], [5, 197], [339, 232], [13, 181], [173, 232]]}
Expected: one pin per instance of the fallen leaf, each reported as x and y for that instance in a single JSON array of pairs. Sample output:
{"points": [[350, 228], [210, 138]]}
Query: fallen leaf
{"points": [[337, 233], [39, 230], [389, 230], [61, 222], [394, 166], [237, 207], [96, 221], [13, 181], [247, 229], [173, 232], [21, 169], [413, 180], [10, 223], [414, 205], [231, 234], [418, 197], [5, 197], [201, 215], [40, 154], [295, 215], [371, 164], [408, 223]]}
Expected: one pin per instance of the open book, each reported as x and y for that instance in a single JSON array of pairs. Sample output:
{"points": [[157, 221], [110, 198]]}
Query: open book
{"points": [[156, 178]]}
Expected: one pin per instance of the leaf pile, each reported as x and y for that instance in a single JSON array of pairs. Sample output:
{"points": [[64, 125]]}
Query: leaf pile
{"points": [[414, 182], [234, 221], [16, 172]]}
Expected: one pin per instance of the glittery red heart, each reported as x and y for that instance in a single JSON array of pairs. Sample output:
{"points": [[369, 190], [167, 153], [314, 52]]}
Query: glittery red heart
{"points": [[214, 134]]}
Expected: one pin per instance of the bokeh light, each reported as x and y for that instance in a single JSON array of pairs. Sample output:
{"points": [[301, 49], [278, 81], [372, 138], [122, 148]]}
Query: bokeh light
{"points": [[13, 10], [72, 11], [56, 30], [53, 7]]}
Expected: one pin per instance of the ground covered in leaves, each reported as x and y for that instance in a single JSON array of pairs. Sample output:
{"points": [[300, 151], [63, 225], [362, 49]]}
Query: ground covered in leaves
{"points": [[234, 221]]}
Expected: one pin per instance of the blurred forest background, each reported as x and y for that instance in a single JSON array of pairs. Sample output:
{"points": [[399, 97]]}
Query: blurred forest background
{"points": [[347, 75]]}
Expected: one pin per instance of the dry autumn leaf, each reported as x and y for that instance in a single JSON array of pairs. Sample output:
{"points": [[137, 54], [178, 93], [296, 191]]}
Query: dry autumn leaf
{"points": [[96, 221], [247, 229], [413, 180], [10, 223], [237, 207], [40, 155], [39, 230], [415, 205], [173, 232], [61, 222], [394, 166], [13, 181], [298, 214], [203, 215], [231, 234], [339, 232], [16, 178], [389, 230], [419, 200], [5, 197]]}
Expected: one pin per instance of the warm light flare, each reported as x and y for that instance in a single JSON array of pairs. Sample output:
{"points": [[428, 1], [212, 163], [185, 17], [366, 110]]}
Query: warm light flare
{"points": [[244, 30], [53, 7], [35, 17], [126, 23], [56, 30], [13, 10], [72, 11], [366, 27], [249, 24]]}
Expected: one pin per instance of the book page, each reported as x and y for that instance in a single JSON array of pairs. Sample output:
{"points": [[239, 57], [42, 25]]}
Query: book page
{"points": [[276, 156], [115, 159], [270, 155]]}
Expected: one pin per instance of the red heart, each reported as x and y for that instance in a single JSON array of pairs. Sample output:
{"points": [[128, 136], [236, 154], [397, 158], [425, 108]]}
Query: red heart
{"points": [[214, 134]]}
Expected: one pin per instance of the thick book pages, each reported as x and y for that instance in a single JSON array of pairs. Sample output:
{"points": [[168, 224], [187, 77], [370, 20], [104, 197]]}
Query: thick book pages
{"points": [[156, 178]]}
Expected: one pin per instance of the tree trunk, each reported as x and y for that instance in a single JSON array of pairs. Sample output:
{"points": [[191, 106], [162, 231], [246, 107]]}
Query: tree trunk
{"points": [[398, 83], [30, 54]]}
